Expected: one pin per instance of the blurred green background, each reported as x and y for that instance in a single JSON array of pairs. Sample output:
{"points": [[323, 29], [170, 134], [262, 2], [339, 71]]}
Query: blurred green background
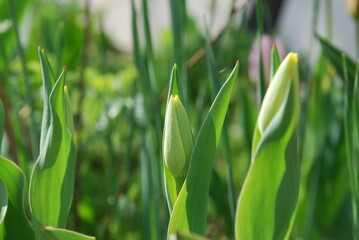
{"points": [[118, 75]]}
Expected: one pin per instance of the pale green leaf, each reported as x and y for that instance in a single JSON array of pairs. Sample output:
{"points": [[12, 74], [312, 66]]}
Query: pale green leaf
{"points": [[2, 121], [275, 61], [3, 206], [267, 203], [335, 57], [48, 80], [190, 210], [52, 179], [63, 234], [186, 236], [15, 219]]}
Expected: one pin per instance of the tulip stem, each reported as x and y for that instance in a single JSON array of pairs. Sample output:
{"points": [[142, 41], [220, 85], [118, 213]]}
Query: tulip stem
{"points": [[357, 37]]}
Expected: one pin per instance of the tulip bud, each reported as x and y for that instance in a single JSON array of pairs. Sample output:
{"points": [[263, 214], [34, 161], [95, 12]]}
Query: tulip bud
{"points": [[286, 75], [353, 8], [177, 138]]}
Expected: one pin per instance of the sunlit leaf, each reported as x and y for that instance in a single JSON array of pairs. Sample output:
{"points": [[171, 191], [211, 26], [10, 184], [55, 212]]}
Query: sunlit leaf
{"points": [[275, 61], [63, 234], [52, 179], [190, 210], [173, 185], [268, 199], [15, 219]]}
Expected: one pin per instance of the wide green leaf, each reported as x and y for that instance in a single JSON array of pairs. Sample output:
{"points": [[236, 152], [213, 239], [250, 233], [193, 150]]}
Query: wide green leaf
{"points": [[3, 206], [52, 179], [63, 234], [15, 219], [190, 210], [268, 200]]}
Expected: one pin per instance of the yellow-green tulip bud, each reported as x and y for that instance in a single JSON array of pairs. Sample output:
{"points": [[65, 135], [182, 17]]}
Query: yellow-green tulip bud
{"points": [[286, 75], [353, 8], [177, 138]]}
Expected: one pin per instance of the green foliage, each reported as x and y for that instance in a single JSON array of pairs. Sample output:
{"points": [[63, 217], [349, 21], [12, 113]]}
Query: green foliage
{"points": [[63, 234], [15, 218], [275, 61], [52, 179], [118, 186], [190, 209], [267, 203], [3, 206]]}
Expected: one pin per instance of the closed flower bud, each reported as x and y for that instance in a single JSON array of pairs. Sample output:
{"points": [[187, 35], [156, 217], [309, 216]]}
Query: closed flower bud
{"points": [[177, 138], [286, 75], [353, 8]]}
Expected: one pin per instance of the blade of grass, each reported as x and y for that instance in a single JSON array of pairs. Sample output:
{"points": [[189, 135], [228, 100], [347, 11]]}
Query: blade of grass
{"points": [[178, 17], [215, 87], [149, 223], [29, 93], [351, 136], [335, 57], [261, 88], [190, 210], [275, 61]]}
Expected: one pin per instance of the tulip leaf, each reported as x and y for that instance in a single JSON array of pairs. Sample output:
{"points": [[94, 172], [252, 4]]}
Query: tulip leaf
{"points": [[173, 185], [268, 199], [48, 82], [3, 206], [52, 179], [335, 57], [2, 121], [190, 209], [275, 61], [186, 236], [63, 234], [15, 219]]}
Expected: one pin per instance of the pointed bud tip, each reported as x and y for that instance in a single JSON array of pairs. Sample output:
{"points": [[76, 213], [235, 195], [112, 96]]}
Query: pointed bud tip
{"points": [[294, 58], [175, 98], [65, 68]]}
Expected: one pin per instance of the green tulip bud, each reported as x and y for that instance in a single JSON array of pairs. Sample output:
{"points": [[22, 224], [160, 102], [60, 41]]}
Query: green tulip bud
{"points": [[177, 139], [286, 75], [353, 8]]}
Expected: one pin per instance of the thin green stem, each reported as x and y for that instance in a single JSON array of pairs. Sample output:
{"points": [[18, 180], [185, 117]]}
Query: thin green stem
{"points": [[261, 89], [329, 18], [29, 93]]}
